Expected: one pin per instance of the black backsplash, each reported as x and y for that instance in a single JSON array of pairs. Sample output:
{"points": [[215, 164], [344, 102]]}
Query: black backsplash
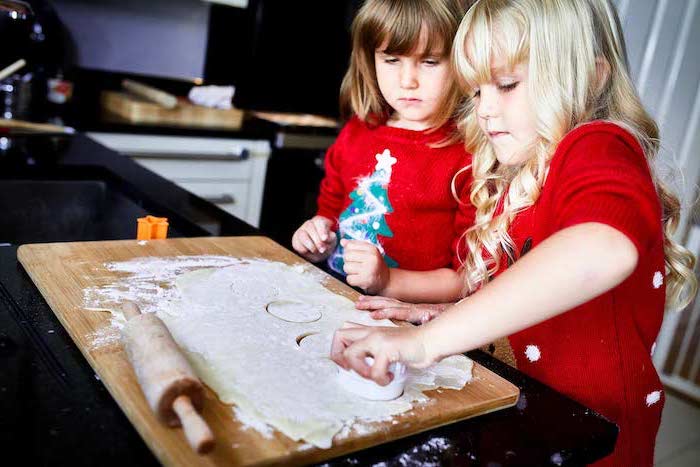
{"points": [[282, 56]]}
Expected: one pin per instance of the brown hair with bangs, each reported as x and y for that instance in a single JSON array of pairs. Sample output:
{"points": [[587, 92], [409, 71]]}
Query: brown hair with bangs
{"points": [[399, 24]]}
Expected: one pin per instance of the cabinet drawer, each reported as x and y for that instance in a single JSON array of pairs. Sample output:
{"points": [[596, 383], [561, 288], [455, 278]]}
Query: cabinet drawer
{"points": [[189, 169], [231, 196]]}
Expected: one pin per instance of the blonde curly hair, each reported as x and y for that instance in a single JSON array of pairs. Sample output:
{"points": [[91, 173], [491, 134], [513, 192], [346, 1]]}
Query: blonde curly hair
{"points": [[563, 42]]}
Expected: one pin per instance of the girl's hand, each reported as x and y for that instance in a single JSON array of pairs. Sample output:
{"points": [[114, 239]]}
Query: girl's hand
{"points": [[364, 266], [390, 308], [315, 240], [353, 342]]}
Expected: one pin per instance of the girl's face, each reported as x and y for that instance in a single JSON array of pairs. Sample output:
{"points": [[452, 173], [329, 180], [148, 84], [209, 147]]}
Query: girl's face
{"points": [[413, 85], [505, 113]]}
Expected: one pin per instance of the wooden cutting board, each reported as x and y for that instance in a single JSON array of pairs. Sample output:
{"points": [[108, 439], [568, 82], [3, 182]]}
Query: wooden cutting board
{"points": [[135, 110], [61, 271]]}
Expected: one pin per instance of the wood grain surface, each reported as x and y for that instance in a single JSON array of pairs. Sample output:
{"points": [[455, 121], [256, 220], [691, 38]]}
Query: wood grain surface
{"points": [[135, 110], [62, 271]]}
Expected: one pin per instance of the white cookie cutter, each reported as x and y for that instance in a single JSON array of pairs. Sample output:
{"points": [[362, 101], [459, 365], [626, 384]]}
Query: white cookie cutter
{"points": [[368, 389]]}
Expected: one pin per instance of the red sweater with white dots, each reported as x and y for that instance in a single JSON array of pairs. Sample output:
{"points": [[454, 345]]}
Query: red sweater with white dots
{"points": [[425, 219], [599, 353]]}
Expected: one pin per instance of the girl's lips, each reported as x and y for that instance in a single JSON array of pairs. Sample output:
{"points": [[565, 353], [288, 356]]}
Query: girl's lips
{"points": [[495, 134]]}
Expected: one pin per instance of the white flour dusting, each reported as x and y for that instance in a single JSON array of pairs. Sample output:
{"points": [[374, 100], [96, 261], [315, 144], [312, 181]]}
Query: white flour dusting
{"points": [[271, 362], [148, 281], [105, 337]]}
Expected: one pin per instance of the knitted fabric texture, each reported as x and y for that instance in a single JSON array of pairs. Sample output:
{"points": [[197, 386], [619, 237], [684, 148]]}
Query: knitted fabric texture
{"points": [[599, 353], [422, 216]]}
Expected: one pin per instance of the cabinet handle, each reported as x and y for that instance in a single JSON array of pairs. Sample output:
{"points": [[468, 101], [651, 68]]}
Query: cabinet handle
{"points": [[223, 199]]}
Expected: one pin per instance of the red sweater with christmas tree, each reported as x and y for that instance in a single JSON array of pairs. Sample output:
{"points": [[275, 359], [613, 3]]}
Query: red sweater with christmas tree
{"points": [[387, 186], [599, 353]]}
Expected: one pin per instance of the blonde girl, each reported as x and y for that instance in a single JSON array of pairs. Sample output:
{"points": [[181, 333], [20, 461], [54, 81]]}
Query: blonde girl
{"points": [[572, 254], [385, 201]]}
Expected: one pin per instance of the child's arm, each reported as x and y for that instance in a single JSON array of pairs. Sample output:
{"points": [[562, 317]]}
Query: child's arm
{"points": [[437, 286], [569, 268], [365, 268]]}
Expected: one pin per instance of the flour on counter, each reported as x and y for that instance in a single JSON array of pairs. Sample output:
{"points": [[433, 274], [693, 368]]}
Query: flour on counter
{"points": [[270, 361]]}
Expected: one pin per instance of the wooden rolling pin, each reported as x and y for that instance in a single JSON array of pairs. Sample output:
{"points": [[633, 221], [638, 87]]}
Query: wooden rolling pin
{"points": [[35, 127], [150, 93], [170, 385]]}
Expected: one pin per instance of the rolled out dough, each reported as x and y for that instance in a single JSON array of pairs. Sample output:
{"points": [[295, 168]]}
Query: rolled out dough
{"points": [[274, 364]]}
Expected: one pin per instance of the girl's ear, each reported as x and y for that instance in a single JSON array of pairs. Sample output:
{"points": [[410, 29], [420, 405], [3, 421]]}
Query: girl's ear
{"points": [[602, 68]]}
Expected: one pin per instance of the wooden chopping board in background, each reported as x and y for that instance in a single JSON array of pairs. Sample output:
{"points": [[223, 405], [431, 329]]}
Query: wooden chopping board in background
{"points": [[139, 111], [62, 271]]}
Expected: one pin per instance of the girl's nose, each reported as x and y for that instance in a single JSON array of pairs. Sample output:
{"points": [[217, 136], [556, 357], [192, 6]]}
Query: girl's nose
{"points": [[409, 76], [488, 103]]}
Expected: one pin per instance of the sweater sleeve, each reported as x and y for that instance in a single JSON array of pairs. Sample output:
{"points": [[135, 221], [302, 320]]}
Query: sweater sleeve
{"points": [[331, 193], [604, 177], [464, 217]]}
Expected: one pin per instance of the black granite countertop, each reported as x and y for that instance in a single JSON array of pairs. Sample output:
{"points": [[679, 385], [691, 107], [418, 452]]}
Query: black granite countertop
{"points": [[55, 410]]}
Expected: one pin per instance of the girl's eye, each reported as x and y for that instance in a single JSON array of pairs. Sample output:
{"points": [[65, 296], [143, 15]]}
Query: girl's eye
{"points": [[431, 62], [508, 87], [391, 60], [476, 93]]}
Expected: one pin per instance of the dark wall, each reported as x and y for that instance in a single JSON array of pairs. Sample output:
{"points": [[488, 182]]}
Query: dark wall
{"points": [[287, 56], [165, 38]]}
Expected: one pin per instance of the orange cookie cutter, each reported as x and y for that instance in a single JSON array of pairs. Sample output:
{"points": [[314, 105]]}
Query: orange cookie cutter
{"points": [[151, 228]]}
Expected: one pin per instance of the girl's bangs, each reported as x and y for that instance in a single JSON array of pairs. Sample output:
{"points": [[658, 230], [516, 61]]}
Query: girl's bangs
{"points": [[408, 24], [491, 35]]}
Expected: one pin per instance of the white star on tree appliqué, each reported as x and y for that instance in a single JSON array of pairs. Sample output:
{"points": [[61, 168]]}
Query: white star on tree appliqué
{"points": [[385, 160]]}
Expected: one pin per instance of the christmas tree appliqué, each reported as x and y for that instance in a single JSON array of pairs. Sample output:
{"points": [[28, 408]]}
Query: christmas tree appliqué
{"points": [[365, 218]]}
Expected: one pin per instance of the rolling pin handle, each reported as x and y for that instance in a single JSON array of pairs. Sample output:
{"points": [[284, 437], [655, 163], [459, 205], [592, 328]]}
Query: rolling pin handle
{"points": [[197, 432], [130, 310]]}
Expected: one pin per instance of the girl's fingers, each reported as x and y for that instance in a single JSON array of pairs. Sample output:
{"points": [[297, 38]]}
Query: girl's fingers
{"points": [[356, 256], [330, 242], [322, 228], [357, 245], [380, 369], [376, 303], [412, 315], [315, 237], [306, 242], [401, 314], [351, 268], [297, 245], [356, 360], [357, 280], [358, 351], [343, 338]]}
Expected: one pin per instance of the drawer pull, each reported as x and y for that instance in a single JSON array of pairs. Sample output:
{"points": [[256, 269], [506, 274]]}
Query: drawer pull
{"points": [[223, 199]]}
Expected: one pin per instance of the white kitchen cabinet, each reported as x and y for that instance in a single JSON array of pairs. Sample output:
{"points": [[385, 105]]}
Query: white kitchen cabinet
{"points": [[228, 172]]}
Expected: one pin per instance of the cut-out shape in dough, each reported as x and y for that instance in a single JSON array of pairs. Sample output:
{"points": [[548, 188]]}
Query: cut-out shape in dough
{"points": [[316, 344], [293, 311], [304, 336]]}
